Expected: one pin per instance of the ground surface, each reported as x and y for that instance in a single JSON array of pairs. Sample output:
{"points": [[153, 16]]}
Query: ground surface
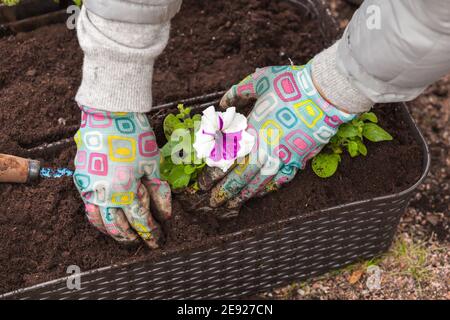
{"points": [[416, 267], [418, 264], [45, 231]]}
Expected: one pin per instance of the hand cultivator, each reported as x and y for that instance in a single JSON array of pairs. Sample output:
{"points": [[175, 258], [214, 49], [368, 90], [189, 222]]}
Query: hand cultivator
{"points": [[20, 170], [15, 169]]}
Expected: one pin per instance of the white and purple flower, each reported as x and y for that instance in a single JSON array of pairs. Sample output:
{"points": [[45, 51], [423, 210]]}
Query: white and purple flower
{"points": [[222, 138]]}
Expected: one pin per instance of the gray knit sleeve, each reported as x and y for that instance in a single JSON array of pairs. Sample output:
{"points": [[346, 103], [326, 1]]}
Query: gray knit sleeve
{"points": [[118, 62]]}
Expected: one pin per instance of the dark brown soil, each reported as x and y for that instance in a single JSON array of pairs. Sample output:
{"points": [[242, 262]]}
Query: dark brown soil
{"points": [[42, 226], [39, 75]]}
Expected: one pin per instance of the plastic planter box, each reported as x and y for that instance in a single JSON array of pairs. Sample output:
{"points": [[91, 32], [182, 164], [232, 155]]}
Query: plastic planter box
{"points": [[257, 259]]}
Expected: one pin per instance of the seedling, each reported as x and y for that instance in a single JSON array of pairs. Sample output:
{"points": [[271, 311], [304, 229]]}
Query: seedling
{"points": [[180, 166], [350, 137]]}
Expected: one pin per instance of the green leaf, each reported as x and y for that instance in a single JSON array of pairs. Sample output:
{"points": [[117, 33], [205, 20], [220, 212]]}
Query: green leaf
{"points": [[361, 147], [360, 132], [171, 122], [352, 148], [369, 116], [165, 168], [183, 112], [375, 133], [178, 178], [166, 150], [189, 123], [336, 140], [347, 131], [189, 169], [181, 182], [180, 175], [197, 117], [180, 108], [325, 165]]}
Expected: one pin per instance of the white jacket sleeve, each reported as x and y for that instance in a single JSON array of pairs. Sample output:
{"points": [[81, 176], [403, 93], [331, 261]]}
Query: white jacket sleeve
{"points": [[390, 51], [120, 51]]}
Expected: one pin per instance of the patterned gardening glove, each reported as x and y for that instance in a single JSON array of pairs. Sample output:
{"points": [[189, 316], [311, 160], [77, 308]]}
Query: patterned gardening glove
{"points": [[291, 122], [117, 174]]}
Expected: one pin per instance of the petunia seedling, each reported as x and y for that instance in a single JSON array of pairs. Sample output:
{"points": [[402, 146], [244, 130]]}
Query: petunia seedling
{"points": [[350, 137], [179, 164], [215, 139]]}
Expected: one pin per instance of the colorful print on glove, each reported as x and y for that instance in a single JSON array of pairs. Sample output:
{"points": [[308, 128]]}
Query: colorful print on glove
{"points": [[115, 150], [291, 123], [291, 118]]}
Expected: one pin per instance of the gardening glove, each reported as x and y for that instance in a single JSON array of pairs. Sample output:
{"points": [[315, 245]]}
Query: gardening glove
{"points": [[291, 122], [117, 174]]}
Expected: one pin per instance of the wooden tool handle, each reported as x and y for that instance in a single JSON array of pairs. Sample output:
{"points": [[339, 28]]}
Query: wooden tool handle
{"points": [[18, 170]]}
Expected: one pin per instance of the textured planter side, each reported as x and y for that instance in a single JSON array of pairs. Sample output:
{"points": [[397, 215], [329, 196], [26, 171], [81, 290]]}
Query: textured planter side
{"points": [[252, 260]]}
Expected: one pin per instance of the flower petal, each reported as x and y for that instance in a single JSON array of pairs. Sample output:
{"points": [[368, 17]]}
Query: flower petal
{"points": [[220, 149], [222, 164], [246, 144], [203, 144], [239, 123], [228, 117], [201, 136], [204, 150], [210, 120]]}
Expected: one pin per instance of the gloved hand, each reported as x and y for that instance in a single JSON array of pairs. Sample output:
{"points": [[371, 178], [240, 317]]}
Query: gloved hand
{"points": [[291, 121], [117, 173]]}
